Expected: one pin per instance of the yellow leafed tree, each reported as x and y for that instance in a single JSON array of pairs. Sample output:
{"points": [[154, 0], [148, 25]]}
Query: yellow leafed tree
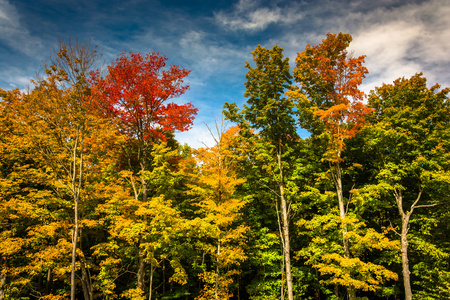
{"points": [[221, 233]]}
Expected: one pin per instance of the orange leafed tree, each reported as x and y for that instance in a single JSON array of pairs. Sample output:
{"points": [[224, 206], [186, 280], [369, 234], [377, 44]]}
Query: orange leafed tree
{"points": [[329, 78]]}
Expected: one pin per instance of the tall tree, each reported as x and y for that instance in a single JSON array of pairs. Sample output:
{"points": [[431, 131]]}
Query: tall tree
{"points": [[408, 139], [57, 115], [137, 91], [157, 235], [35, 211], [330, 105], [223, 236], [270, 113]]}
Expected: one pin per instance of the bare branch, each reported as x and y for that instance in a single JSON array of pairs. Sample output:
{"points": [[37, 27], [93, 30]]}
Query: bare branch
{"points": [[349, 200], [431, 205], [269, 188], [279, 227], [394, 228], [417, 200]]}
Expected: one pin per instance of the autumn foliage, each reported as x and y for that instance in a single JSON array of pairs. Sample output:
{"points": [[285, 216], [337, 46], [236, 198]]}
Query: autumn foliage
{"points": [[98, 200], [138, 90], [330, 77]]}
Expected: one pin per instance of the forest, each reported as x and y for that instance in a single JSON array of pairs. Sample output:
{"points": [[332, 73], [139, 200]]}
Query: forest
{"points": [[98, 200]]}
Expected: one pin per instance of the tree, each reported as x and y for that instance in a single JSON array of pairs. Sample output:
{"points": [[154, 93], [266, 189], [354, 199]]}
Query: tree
{"points": [[56, 113], [330, 105], [222, 236], [270, 113], [158, 235], [137, 91], [408, 140], [34, 213]]}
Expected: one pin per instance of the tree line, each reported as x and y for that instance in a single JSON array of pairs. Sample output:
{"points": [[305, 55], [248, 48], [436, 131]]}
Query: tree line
{"points": [[98, 200]]}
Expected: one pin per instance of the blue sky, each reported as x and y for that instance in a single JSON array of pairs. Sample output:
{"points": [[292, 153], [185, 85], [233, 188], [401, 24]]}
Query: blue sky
{"points": [[215, 38]]}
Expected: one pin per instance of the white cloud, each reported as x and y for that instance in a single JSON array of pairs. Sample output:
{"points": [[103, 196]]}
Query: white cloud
{"points": [[12, 31], [388, 48], [249, 15], [8, 16], [210, 59], [403, 41], [15, 78], [399, 38]]}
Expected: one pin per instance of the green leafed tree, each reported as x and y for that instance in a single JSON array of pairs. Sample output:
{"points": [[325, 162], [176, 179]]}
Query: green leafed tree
{"points": [[270, 113], [408, 142]]}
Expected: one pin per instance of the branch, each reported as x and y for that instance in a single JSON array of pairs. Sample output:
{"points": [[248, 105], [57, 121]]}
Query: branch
{"points": [[266, 186], [431, 205], [417, 200], [333, 175], [390, 223], [349, 200], [279, 227]]}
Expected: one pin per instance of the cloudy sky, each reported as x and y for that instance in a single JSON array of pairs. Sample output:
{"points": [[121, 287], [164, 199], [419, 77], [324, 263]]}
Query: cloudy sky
{"points": [[215, 38]]}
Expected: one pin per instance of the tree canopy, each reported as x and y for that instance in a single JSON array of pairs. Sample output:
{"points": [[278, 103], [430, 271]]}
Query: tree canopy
{"points": [[98, 199]]}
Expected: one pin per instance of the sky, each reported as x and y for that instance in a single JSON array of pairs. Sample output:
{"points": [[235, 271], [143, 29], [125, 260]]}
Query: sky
{"points": [[213, 39]]}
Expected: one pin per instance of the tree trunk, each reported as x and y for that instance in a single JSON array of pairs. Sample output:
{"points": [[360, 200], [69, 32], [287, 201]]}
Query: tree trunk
{"points": [[285, 220], [49, 278], [343, 214], [287, 246], [404, 243], [2, 284], [150, 287], [141, 263], [86, 282], [405, 261], [74, 252], [76, 192], [216, 289], [141, 268]]}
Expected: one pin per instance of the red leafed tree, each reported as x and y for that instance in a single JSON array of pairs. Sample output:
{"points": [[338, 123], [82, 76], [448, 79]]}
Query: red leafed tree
{"points": [[138, 90], [137, 93]]}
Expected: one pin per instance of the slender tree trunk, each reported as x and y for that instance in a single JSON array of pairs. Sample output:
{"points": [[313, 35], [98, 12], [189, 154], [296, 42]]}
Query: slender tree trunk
{"points": [[141, 263], [404, 243], [287, 246], [141, 268], [343, 214], [405, 261], [216, 289], [150, 287], [86, 282], [2, 284], [285, 220], [49, 278], [76, 191], [74, 252], [39, 288]]}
